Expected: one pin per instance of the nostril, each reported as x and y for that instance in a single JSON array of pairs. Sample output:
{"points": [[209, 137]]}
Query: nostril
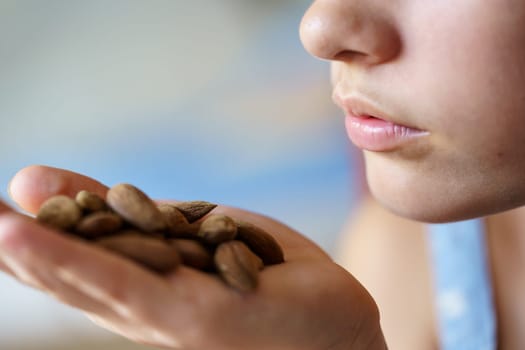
{"points": [[349, 55]]}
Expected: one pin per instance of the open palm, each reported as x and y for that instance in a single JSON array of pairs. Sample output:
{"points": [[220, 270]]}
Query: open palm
{"points": [[309, 302]]}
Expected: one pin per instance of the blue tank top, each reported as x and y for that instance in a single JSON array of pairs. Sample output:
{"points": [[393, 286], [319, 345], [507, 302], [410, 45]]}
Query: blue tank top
{"points": [[463, 292]]}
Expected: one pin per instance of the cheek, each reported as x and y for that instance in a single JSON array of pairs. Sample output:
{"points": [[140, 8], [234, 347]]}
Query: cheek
{"points": [[450, 183], [467, 65]]}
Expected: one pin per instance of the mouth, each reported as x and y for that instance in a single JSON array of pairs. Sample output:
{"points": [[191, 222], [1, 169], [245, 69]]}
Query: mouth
{"points": [[369, 128]]}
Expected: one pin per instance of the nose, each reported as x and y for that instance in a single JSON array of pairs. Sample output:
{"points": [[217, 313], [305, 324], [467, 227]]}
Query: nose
{"points": [[349, 30]]}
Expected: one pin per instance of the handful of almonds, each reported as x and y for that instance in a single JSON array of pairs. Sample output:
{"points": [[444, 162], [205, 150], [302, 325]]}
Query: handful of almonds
{"points": [[160, 237]]}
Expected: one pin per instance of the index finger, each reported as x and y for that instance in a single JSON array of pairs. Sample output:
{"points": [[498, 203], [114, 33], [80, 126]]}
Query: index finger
{"points": [[31, 186], [3, 207]]}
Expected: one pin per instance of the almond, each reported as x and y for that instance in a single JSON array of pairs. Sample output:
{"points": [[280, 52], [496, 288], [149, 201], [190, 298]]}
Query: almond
{"points": [[260, 242], [237, 265], [60, 212], [195, 210], [98, 224], [216, 229], [152, 253], [136, 208]]}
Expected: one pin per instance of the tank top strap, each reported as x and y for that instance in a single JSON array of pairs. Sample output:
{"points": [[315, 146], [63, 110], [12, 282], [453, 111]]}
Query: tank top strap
{"points": [[462, 285]]}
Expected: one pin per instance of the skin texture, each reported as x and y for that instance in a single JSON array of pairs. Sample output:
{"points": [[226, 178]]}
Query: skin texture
{"points": [[453, 68], [308, 302]]}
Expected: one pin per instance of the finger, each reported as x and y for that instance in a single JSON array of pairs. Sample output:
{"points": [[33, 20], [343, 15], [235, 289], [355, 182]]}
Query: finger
{"points": [[138, 333], [63, 265], [31, 186], [182, 313], [3, 266], [35, 275], [4, 207], [48, 259]]}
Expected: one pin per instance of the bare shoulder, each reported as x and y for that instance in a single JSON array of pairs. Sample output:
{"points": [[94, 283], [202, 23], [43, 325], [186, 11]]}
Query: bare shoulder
{"points": [[388, 255]]}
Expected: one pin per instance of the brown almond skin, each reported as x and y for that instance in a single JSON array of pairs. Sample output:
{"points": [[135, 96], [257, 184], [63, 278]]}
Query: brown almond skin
{"points": [[195, 210], [237, 265], [136, 207], [216, 229], [193, 254], [178, 225], [153, 253], [98, 224], [60, 212], [90, 202], [260, 242]]}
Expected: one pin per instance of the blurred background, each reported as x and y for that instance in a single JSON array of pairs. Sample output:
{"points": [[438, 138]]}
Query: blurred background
{"points": [[206, 99]]}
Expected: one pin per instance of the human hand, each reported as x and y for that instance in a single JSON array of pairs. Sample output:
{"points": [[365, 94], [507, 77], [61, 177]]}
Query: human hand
{"points": [[308, 302]]}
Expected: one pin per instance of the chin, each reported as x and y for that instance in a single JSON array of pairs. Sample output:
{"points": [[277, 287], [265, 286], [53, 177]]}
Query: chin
{"points": [[426, 198], [416, 209], [421, 212], [442, 186], [439, 204]]}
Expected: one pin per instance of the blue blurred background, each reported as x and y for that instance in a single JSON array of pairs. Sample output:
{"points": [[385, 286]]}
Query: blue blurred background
{"points": [[204, 99]]}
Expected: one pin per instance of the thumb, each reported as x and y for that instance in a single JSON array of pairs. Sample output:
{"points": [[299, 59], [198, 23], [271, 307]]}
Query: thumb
{"points": [[31, 186]]}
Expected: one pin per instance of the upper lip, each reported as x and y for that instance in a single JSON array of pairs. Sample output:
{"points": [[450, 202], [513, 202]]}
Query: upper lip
{"points": [[358, 105]]}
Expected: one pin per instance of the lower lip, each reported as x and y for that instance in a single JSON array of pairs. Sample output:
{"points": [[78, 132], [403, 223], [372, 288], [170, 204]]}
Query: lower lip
{"points": [[379, 135]]}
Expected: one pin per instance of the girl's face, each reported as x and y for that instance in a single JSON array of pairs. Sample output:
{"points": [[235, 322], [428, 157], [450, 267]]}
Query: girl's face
{"points": [[434, 92]]}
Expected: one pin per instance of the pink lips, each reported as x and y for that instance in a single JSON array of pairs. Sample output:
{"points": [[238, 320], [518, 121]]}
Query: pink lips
{"points": [[368, 129], [378, 135]]}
